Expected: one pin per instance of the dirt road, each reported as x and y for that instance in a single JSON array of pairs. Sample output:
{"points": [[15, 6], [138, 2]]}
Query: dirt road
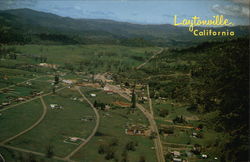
{"points": [[11, 106], [150, 102], [93, 132], [152, 57], [21, 82], [31, 152], [157, 140], [2, 158], [31, 127]]}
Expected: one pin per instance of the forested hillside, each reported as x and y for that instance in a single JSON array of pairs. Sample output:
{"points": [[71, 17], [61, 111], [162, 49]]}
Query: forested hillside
{"points": [[213, 79], [25, 26]]}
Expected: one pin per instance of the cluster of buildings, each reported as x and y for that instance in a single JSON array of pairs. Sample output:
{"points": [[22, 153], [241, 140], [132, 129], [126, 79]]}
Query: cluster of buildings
{"points": [[20, 99], [52, 66], [176, 156], [137, 130]]}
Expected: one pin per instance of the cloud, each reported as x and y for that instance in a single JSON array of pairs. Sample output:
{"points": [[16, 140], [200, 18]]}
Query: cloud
{"points": [[231, 10], [243, 2], [9, 4], [237, 8]]}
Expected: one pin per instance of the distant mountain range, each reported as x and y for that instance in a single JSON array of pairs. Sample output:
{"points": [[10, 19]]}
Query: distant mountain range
{"points": [[46, 27]]}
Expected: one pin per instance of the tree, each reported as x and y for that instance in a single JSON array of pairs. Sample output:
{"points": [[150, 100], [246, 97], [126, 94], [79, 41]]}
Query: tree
{"points": [[168, 156], [130, 146], [163, 112], [222, 85], [50, 151], [95, 104], [31, 158], [142, 159], [153, 135], [102, 149], [110, 154], [196, 149], [114, 142], [179, 119], [133, 100], [126, 84], [124, 156], [54, 89], [56, 79]]}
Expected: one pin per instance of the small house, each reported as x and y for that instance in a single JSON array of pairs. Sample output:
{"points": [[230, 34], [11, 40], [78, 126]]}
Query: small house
{"points": [[67, 81], [177, 160], [21, 99], [5, 103], [73, 139], [194, 135], [176, 153], [107, 107], [55, 106], [204, 156], [93, 95], [107, 89], [139, 130]]}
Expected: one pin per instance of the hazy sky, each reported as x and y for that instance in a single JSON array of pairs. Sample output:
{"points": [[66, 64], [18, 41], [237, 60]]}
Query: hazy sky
{"points": [[138, 11]]}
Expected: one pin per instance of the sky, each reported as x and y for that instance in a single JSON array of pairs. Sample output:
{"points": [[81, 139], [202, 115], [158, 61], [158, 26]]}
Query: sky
{"points": [[138, 11]]}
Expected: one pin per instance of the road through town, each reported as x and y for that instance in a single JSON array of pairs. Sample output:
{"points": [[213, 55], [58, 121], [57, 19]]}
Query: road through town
{"points": [[157, 140]]}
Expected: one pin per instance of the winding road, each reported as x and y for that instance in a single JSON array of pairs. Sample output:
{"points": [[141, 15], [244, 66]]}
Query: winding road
{"points": [[116, 89], [11, 106], [31, 127], [94, 130]]}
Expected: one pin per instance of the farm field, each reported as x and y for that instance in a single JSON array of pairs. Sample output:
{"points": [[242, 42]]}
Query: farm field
{"points": [[66, 126], [94, 58], [12, 155], [10, 119], [52, 132], [112, 128]]}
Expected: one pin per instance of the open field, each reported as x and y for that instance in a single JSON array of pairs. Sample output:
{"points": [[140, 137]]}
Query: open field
{"points": [[74, 119], [10, 119], [59, 125], [112, 127], [24, 89], [12, 155], [88, 57], [173, 111], [9, 77], [102, 96], [68, 124]]}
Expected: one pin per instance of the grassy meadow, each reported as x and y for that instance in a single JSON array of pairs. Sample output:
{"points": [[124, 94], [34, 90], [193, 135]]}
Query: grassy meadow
{"points": [[58, 125], [19, 118], [94, 58]]}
